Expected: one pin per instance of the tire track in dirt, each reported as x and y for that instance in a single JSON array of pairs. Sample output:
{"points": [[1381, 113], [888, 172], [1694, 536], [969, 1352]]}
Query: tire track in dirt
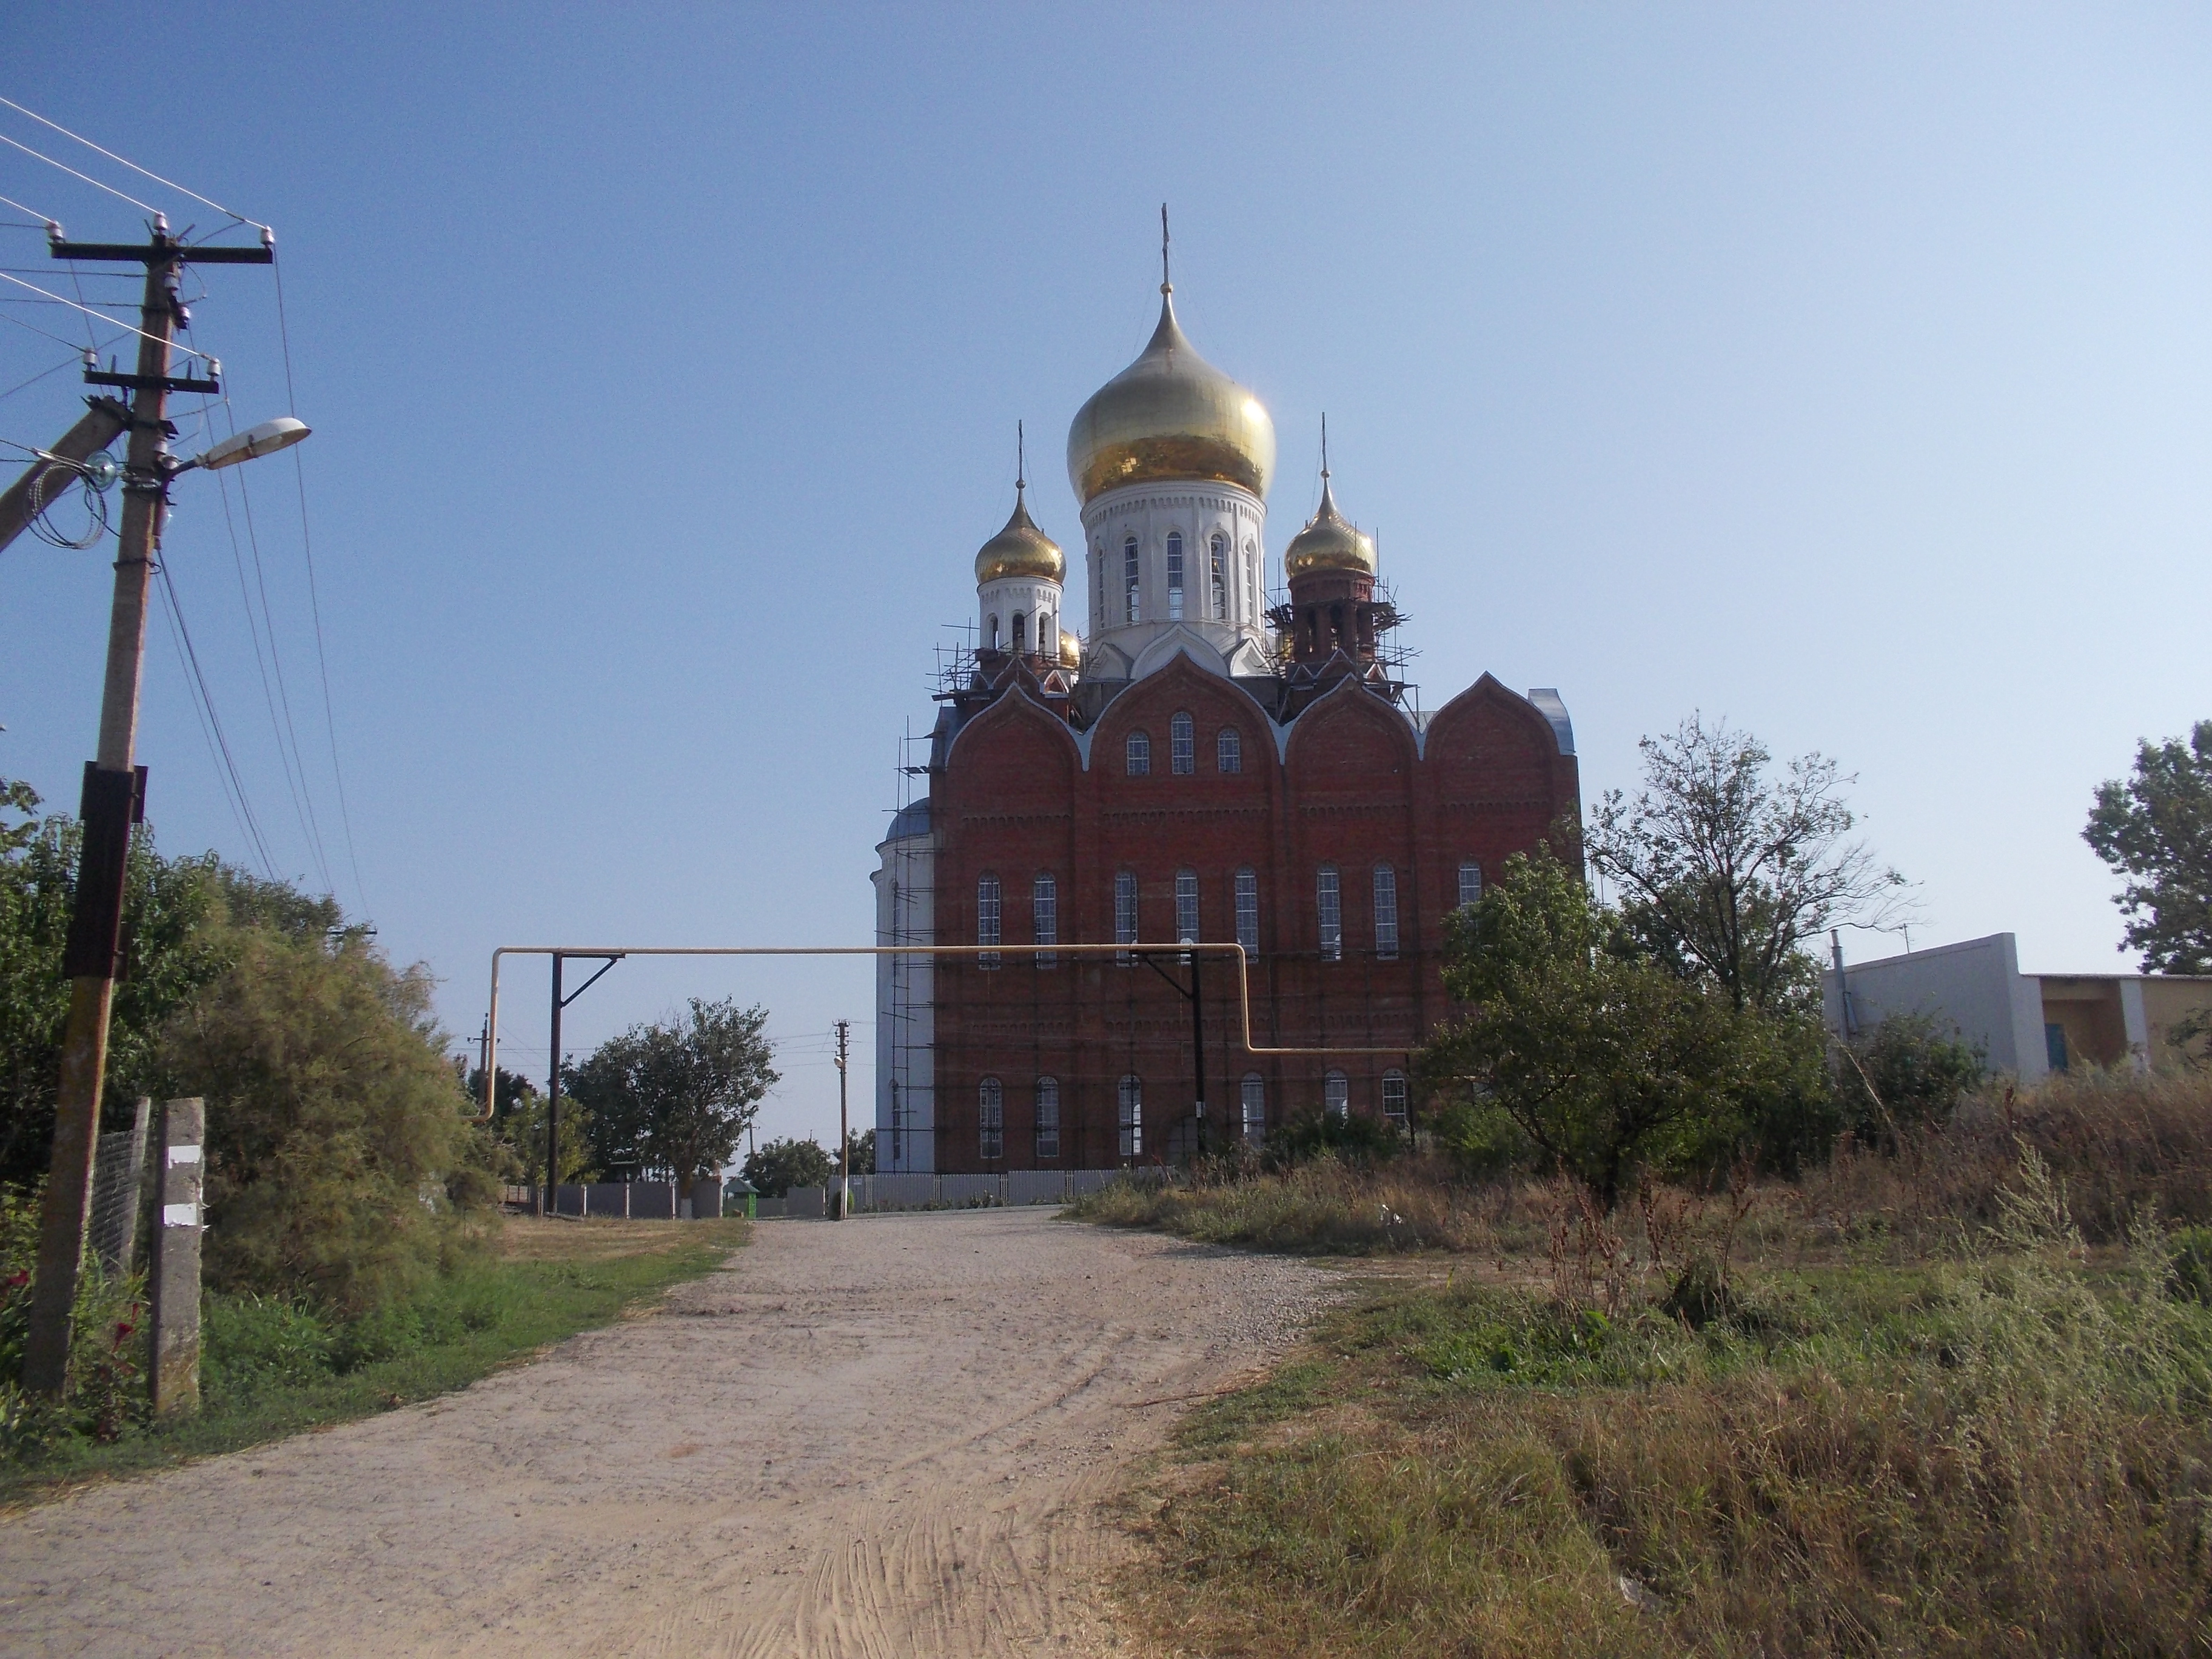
{"points": [[888, 1436]]}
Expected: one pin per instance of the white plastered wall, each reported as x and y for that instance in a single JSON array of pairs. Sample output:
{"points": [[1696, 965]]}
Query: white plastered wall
{"points": [[1200, 512]]}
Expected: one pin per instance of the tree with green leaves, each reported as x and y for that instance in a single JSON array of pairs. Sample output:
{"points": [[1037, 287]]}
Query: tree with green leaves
{"points": [[1603, 1064], [2155, 832], [1909, 1071], [1725, 870], [774, 1167], [676, 1094]]}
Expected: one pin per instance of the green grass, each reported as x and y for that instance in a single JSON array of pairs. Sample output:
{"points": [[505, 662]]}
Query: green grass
{"points": [[270, 1368], [2005, 1451]]}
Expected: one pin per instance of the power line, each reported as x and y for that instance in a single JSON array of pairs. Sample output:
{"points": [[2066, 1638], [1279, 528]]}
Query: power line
{"points": [[190, 351], [145, 206], [125, 161], [314, 599], [303, 802], [43, 219], [205, 699]]}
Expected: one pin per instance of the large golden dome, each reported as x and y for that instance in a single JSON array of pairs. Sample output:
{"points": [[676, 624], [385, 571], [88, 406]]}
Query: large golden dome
{"points": [[1169, 415], [1329, 541], [1020, 550]]}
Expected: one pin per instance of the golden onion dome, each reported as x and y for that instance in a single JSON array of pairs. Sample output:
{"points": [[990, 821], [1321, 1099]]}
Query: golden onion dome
{"points": [[1071, 651], [1020, 550], [1329, 541], [1169, 415]]}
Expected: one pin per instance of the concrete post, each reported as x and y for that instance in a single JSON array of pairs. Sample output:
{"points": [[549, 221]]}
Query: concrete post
{"points": [[176, 1339]]}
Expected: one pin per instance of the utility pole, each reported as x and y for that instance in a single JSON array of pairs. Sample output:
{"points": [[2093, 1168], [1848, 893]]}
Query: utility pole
{"points": [[548, 1200], [844, 1132], [114, 796]]}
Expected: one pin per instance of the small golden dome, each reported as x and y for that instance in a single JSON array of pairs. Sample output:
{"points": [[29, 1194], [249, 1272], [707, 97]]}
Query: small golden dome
{"points": [[1169, 415], [1329, 541], [1071, 651], [1020, 550]]}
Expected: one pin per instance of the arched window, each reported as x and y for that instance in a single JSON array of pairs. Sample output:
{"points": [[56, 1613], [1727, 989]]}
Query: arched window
{"points": [[1229, 751], [1098, 606], [1220, 575], [1021, 634], [1129, 578], [1328, 910], [1336, 626], [1044, 918], [986, 920], [1125, 912], [1386, 913], [1251, 583], [1047, 636], [1247, 909], [1186, 908], [1252, 1099], [1470, 882], [1183, 745], [990, 1119], [1137, 753], [1393, 1097], [1048, 1117], [1336, 1095], [990, 633], [1174, 575], [1129, 1115]]}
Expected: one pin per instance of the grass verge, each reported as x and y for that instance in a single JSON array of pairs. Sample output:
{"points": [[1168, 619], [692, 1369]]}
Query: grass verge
{"points": [[271, 1368], [2007, 1450]]}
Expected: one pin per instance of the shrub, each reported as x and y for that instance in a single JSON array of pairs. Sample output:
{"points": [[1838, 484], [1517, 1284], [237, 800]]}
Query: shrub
{"points": [[1909, 1072], [1350, 1138], [337, 1137]]}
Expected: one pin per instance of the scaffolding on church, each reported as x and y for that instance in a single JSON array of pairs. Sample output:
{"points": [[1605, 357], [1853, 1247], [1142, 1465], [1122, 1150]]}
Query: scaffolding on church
{"points": [[906, 1024]]}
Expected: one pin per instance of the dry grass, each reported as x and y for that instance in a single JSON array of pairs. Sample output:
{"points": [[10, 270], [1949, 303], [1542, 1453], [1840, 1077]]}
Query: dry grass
{"points": [[1925, 1417], [594, 1239]]}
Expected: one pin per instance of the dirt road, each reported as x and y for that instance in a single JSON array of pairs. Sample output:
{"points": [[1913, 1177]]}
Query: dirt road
{"points": [[886, 1437]]}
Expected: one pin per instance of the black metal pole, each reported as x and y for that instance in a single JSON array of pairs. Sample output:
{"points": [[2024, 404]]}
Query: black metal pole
{"points": [[553, 1104], [1198, 1051]]}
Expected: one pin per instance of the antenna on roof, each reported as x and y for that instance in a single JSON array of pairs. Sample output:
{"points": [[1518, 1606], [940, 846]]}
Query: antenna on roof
{"points": [[1166, 285]]}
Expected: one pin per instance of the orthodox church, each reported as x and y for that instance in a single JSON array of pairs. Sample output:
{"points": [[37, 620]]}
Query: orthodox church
{"points": [[1212, 757]]}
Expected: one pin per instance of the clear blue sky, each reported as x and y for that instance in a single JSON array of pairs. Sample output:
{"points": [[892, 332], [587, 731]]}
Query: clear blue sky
{"points": [[1846, 372]]}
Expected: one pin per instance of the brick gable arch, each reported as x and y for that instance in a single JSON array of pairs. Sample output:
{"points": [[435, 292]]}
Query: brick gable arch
{"points": [[1497, 780], [1212, 701], [1017, 751], [1353, 775]]}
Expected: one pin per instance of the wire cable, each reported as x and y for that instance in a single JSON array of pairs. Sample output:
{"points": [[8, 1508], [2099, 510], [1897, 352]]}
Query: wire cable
{"points": [[13, 143], [293, 763], [206, 700], [43, 219], [188, 350], [125, 161], [75, 358], [314, 597]]}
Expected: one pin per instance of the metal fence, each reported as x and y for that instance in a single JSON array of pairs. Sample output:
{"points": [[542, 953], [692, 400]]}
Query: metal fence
{"points": [[971, 1192]]}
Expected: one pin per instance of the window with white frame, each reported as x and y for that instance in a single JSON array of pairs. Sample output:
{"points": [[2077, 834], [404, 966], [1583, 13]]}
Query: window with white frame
{"points": [[1129, 571], [1174, 575], [1393, 1097], [1247, 909], [1228, 751], [1021, 634], [1386, 913], [990, 1119], [1186, 908], [1044, 917], [1137, 755], [1470, 882], [1183, 745], [1048, 1117], [986, 920], [1336, 1094], [1129, 1115], [1253, 1101], [1219, 550], [1251, 583], [1328, 911], [1125, 912]]}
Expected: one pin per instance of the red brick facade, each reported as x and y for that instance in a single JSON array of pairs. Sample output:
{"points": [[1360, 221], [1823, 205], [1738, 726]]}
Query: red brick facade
{"points": [[1348, 783]]}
